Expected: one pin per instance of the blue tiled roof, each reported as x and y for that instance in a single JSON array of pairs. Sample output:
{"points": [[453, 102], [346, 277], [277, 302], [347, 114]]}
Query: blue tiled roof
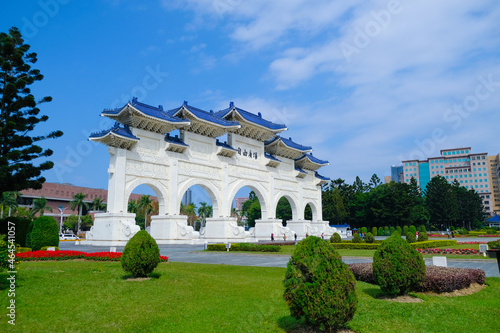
{"points": [[494, 218], [345, 225], [321, 177], [175, 139], [271, 157], [224, 144], [156, 112], [254, 118], [116, 129], [312, 159], [300, 170], [289, 143], [208, 116]]}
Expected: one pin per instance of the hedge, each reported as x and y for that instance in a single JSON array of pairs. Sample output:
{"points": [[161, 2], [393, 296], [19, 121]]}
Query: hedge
{"points": [[437, 279], [244, 247], [374, 246], [355, 246], [434, 243]]}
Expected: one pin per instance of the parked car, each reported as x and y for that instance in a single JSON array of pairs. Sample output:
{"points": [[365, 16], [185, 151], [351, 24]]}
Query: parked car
{"points": [[69, 237]]}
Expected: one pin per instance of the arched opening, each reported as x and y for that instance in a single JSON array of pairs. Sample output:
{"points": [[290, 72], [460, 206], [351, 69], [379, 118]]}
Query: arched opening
{"points": [[144, 202], [285, 210], [246, 207], [310, 212], [196, 204]]}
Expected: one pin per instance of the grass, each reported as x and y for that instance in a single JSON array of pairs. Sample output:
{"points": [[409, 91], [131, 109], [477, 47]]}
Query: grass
{"points": [[86, 296]]}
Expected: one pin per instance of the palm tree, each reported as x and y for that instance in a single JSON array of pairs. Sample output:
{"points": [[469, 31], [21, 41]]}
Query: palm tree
{"points": [[190, 211], [8, 199], [78, 203], [204, 211], [40, 205], [145, 205], [97, 204], [132, 206]]}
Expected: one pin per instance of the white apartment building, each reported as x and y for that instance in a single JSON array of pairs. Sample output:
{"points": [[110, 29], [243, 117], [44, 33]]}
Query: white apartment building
{"points": [[471, 170]]}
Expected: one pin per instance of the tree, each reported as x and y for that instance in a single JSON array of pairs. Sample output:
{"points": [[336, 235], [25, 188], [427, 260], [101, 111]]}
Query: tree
{"points": [[283, 210], [40, 205], [145, 206], [97, 204], [374, 181], [190, 211], [441, 203], [19, 114], [251, 209], [8, 199], [204, 211], [78, 203], [71, 222], [132, 206]]}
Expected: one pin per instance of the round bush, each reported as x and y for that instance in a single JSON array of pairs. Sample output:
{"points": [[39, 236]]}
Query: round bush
{"points": [[391, 231], [412, 229], [364, 230], [369, 238], [45, 233], [398, 229], [422, 228], [374, 231], [335, 238], [319, 287], [380, 231], [410, 237], [405, 230], [397, 267], [22, 228], [356, 238], [141, 255], [422, 236]]}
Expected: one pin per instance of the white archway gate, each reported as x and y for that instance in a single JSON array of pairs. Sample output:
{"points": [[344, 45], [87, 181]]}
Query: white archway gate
{"points": [[143, 152]]}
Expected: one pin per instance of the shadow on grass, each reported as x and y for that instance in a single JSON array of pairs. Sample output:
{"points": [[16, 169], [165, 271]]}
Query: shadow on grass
{"points": [[131, 277], [4, 283], [373, 292], [292, 325]]}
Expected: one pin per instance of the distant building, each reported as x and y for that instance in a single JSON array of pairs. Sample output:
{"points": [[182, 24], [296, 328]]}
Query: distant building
{"points": [[387, 179], [186, 198], [494, 165], [397, 174], [62, 194], [238, 203], [471, 170]]}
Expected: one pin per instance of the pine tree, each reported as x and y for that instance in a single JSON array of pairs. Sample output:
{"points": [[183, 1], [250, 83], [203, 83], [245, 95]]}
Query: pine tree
{"points": [[19, 115]]}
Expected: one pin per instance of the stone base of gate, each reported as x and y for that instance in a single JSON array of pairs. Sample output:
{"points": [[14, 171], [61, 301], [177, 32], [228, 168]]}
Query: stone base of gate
{"points": [[300, 227], [112, 229], [322, 227], [224, 230], [173, 229], [264, 229]]}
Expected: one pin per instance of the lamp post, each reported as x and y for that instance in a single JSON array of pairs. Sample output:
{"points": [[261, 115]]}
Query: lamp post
{"points": [[61, 209]]}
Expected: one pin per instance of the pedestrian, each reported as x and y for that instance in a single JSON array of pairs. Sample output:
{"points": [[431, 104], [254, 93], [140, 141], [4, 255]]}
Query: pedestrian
{"points": [[284, 237], [272, 237], [322, 236], [452, 234], [295, 235], [307, 235]]}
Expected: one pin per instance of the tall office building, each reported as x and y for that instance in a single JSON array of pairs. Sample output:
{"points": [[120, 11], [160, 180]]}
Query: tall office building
{"points": [[472, 171], [186, 198], [397, 174], [494, 165]]}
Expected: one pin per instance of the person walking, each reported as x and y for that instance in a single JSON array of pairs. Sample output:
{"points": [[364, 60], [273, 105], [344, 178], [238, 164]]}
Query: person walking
{"points": [[295, 235], [284, 237], [272, 237]]}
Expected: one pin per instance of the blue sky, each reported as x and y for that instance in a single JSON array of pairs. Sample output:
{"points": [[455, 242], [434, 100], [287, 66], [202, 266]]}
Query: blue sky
{"points": [[366, 83]]}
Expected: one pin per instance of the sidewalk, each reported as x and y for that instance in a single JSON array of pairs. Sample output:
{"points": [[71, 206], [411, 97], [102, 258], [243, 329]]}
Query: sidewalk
{"points": [[195, 254]]}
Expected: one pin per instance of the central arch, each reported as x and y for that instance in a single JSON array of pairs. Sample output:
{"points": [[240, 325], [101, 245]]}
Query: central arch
{"points": [[254, 186], [291, 199], [211, 189]]}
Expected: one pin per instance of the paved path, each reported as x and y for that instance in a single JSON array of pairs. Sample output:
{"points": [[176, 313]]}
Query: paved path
{"points": [[194, 254]]}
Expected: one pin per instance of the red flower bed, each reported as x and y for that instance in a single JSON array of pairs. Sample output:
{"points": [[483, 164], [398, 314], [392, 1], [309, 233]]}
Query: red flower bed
{"points": [[68, 255], [447, 251]]}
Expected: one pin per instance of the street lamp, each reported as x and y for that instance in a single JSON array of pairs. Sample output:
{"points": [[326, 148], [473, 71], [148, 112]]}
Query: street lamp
{"points": [[61, 209]]}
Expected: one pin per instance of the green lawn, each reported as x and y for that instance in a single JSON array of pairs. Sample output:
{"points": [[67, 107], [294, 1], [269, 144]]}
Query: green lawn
{"points": [[86, 296]]}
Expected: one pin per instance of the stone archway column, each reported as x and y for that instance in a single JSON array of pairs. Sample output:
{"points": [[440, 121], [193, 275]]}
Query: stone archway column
{"points": [[116, 226]]}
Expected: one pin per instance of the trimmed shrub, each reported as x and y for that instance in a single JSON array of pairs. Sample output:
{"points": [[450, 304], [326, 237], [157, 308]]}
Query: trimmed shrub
{"points": [[398, 229], [405, 230], [335, 238], [363, 272], [369, 238], [23, 249], [45, 233], [410, 237], [422, 236], [245, 247], [356, 238], [355, 246], [380, 231], [397, 267], [494, 245], [141, 255], [364, 230], [391, 231], [319, 287], [434, 243], [374, 231], [412, 229], [21, 226]]}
